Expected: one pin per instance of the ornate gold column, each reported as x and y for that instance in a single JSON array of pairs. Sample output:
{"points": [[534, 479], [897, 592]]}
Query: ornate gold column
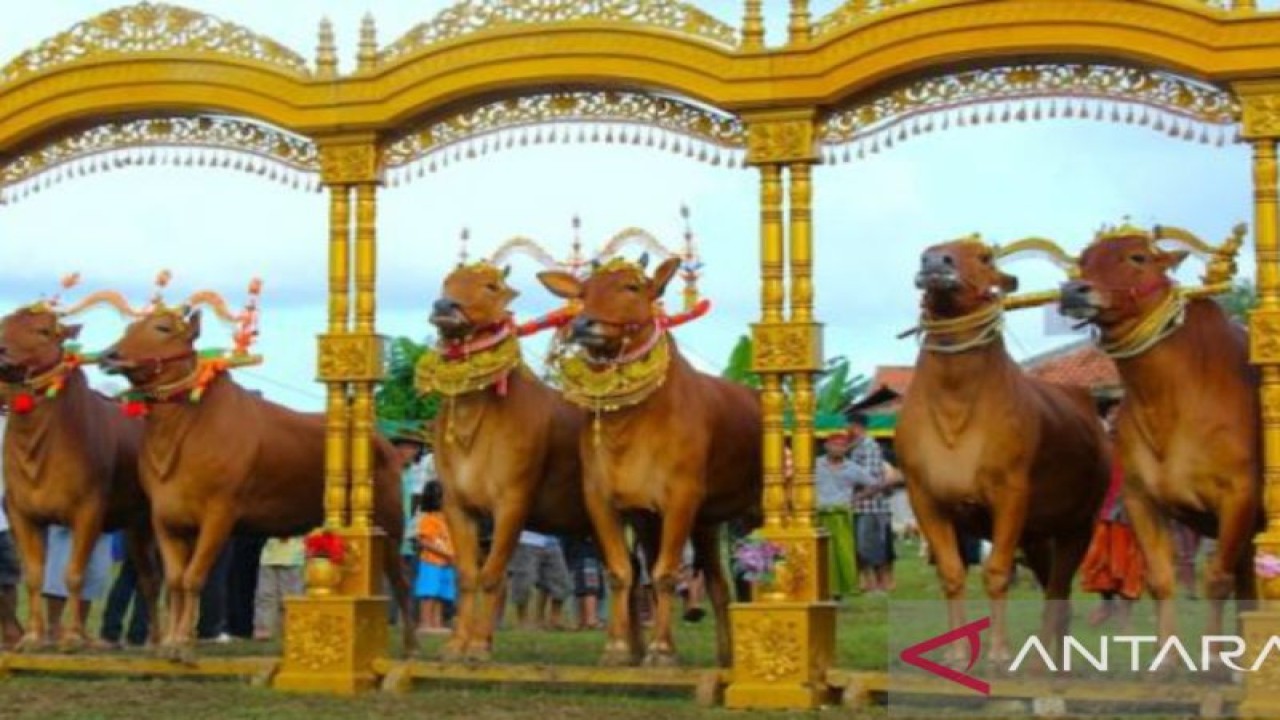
{"points": [[784, 641], [333, 635], [1261, 123], [799, 30], [753, 25]]}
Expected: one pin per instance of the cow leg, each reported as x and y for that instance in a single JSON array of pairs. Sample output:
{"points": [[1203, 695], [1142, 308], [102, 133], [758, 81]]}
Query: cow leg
{"points": [[1151, 528], [677, 525], [466, 547], [140, 545], [1236, 518], [86, 527], [175, 555], [1067, 552], [213, 535], [1008, 517], [400, 592], [30, 539], [508, 521], [613, 550], [940, 535], [706, 556]]}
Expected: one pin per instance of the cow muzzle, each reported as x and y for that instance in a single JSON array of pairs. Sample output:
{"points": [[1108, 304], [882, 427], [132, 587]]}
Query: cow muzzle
{"points": [[447, 315], [937, 272], [1081, 300], [588, 333], [112, 362]]}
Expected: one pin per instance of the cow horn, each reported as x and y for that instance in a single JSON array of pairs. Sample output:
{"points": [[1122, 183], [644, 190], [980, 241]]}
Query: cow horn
{"points": [[506, 272], [643, 261]]}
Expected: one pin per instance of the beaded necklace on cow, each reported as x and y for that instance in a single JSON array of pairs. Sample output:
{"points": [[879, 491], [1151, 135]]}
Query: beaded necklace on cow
{"points": [[988, 321], [21, 397], [1158, 324]]}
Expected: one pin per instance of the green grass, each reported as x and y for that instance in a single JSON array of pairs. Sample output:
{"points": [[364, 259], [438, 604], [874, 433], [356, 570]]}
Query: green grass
{"points": [[862, 639]]}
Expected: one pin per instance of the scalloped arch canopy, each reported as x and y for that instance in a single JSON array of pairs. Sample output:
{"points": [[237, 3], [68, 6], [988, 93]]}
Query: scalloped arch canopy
{"points": [[111, 71]]}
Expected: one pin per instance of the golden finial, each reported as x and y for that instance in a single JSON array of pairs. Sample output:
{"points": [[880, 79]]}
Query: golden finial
{"points": [[462, 247], [1125, 229], [367, 57], [326, 51]]}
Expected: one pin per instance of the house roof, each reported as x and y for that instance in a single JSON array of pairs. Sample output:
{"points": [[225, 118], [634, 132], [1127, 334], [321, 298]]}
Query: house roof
{"points": [[1079, 363]]}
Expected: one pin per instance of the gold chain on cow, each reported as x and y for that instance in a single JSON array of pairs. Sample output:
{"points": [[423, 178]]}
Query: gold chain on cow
{"points": [[989, 322], [1156, 326], [615, 386], [470, 373]]}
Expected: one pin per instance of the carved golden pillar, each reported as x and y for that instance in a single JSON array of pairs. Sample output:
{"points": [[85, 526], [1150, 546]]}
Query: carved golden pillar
{"points": [[1261, 102], [799, 30], [784, 641], [333, 636], [753, 25], [1244, 5]]}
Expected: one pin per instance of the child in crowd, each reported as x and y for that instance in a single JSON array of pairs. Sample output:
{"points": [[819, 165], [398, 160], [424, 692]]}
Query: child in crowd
{"points": [[436, 582], [279, 576]]}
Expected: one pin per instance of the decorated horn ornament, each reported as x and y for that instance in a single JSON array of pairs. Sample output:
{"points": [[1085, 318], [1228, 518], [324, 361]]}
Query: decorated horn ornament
{"points": [[1042, 248], [1220, 268]]}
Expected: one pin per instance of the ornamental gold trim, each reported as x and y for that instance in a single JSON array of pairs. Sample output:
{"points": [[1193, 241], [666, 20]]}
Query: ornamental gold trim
{"points": [[787, 347], [616, 386], [1177, 106], [1261, 116], [200, 141], [149, 28], [473, 16], [349, 164], [351, 358], [451, 378], [581, 117]]}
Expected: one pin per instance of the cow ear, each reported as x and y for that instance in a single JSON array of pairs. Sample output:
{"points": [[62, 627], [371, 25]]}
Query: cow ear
{"points": [[193, 324], [71, 332], [1173, 258], [1008, 283], [663, 275], [561, 284]]}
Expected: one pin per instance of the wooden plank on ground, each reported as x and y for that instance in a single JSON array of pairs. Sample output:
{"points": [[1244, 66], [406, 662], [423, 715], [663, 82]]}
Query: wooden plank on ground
{"points": [[224, 667], [1161, 692], [689, 678]]}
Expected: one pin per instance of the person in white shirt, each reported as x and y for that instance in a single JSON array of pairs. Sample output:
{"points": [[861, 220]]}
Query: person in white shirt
{"points": [[539, 562], [10, 571]]}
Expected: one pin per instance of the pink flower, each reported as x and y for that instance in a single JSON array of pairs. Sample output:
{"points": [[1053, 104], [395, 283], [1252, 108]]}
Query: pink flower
{"points": [[1266, 565]]}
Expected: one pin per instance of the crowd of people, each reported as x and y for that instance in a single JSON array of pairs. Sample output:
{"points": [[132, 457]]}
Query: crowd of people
{"points": [[549, 578]]}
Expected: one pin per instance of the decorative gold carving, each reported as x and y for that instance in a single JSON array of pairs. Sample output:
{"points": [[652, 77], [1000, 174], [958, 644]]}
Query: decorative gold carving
{"points": [[566, 117], [453, 377], [349, 164], [146, 28], [200, 141], [317, 641], [1271, 403], [615, 386], [1175, 105], [768, 649], [472, 16], [787, 347], [1264, 337], [1261, 116], [781, 141], [793, 573], [351, 358]]}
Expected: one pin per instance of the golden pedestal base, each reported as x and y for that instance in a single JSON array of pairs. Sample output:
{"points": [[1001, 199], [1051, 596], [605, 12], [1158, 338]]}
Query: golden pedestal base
{"points": [[781, 654], [330, 644], [1261, 688], [365, 568]]}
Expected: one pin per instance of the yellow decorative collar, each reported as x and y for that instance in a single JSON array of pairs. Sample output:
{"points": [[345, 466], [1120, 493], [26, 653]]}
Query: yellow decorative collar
{"points": [[470, 372]]}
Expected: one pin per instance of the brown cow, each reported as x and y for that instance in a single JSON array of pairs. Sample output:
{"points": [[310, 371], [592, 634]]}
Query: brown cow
{"points": [[991, 452], [233, 462], [69, 459], [1188, 431], [664, 440], [506, 445]]}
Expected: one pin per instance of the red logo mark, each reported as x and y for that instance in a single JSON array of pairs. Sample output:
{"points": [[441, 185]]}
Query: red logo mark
{"points": [[914, 655]]}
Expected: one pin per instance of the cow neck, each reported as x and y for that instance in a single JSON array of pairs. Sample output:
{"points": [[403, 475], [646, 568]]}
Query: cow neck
{"points": [[45, 383], [952, 336], [622, 382], [1148, 331], [29, 434], [953, 382]]}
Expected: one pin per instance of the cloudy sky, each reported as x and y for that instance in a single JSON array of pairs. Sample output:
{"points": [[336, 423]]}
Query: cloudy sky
{"points": [[217, 228]]}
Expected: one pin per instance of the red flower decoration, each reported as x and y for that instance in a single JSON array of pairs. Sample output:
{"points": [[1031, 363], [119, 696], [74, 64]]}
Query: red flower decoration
{"points": [[325, 544], [135, 408], [22, 403]]}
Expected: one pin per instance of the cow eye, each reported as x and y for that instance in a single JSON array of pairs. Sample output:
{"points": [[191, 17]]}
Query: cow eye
{"points": [[492, 287], [166, 329], [986, 258], [1138, 259], [632, 287]]}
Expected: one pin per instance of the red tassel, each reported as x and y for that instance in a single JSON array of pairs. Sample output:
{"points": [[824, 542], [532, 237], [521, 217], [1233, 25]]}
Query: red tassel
{"points": [[22, 404], [135, 409]]}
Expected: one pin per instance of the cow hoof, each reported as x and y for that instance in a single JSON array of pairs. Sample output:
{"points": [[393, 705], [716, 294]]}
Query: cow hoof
{"points": [[452, 651], [617, 657], [30, 642], [185, 654], [661, 658], [72, 643], [479, 654]]}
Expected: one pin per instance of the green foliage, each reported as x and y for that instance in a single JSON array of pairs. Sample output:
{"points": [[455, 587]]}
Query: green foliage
{"points": [[1242, 298], [396, 398], [839, 387], [738, 369]]}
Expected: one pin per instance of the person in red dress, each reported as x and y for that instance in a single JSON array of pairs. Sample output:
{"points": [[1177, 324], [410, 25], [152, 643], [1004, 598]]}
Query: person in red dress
{"points": [[1113, 566]]}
